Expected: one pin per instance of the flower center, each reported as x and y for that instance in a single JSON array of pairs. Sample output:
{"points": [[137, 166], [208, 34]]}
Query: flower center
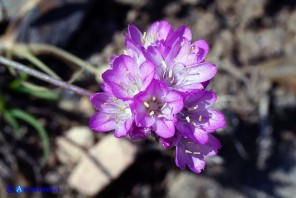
{"points": [[154, 107]]}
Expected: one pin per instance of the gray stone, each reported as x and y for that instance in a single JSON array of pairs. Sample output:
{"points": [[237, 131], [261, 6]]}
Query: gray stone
{"points": [[72, 146], [104, 162]]}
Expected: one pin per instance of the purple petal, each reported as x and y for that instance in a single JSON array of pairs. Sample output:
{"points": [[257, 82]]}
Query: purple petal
{"points": [[98, 99], [152, 54], [180, 157], [122, 128], [136, 132], [164, 128], [201, 99], [147, 70], [196, 164], [201, 72], [158, 31], [102, 122], [198, 52], [199, 136], [174, 102], [135, 34], [167, 142]]}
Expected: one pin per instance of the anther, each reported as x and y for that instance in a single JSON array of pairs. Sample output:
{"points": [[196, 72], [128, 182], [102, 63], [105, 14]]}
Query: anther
{"points": [[194, 124], [122, 108], [143, 37], [200, 117], [116, 118], [146, 104], [160, 116], [182, 43], [187, 151], [163, 63], [125, 52], [187, 118], [193, 108], [192, 48], [151, 113], [170, 73], [127, 73], [114, 99], [106, 103], [154, 98]]}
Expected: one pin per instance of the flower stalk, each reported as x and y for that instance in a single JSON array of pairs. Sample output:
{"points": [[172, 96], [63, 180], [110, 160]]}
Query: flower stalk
{"points": [[44, 77]]}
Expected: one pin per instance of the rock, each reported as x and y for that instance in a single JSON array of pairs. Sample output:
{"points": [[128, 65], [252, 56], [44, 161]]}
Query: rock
{"points": [[189, 185], [104, 162], [72, 147], [52, 22]]}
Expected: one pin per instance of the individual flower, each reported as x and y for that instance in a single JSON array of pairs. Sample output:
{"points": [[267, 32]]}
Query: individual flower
{"points": [[126, 78], [196, 119], [157, 32], [183, 68], [193, 155], [113, 114], [156, 108]]}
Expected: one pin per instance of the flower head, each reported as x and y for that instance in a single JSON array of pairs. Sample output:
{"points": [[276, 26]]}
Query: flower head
{"points": [[157, 87]]}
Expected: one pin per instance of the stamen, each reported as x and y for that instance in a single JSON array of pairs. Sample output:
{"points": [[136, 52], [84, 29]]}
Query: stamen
{"points": [[193, 108], [187, 151], [114, 99], [125, 52], [170, 73], [188, 119], [160, 116], [151, 113], [192, 48], [122, 108], [127, 73], [200, 117], [196, 153], [116, 118], [106, 103], [182, 43], [194, 124], [146, 104], [154, 98], [143, 37], [164, 105], [108, 116], [164, 63]]}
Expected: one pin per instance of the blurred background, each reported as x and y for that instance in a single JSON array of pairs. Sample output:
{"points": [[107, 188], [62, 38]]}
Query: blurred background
{"points": [[44, 135]]}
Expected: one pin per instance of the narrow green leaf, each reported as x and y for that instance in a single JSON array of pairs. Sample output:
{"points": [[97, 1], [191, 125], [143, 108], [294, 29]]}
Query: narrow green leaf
{"points": [[22, 115], [10, 119]]}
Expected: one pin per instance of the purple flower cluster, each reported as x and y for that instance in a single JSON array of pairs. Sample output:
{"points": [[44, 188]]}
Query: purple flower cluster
{"points": [[157, 87]]}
